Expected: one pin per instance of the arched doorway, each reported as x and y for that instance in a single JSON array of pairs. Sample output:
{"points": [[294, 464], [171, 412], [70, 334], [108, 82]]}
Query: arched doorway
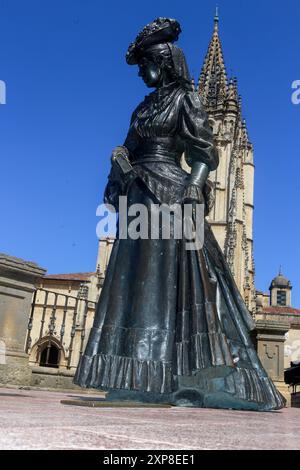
{"points": [[49, 355]]}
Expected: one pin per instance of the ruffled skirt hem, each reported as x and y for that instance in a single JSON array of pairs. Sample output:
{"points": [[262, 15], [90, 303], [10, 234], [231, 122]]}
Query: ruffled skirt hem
{"points": [[106, 372]]}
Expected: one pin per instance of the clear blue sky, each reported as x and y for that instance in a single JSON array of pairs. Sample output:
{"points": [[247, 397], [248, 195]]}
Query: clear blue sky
{"points": [[70, 94]]}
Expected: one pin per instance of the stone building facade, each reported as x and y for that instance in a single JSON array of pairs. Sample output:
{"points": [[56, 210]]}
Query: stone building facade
{"points": [[276, 306], [45, 320], [18, 279], [62, 315]]}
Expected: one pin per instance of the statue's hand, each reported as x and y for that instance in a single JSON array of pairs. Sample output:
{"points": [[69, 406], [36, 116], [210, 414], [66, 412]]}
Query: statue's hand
{"points": [[193, 193], [119, 151], [120, 177], [120, 160], [209, 196]]}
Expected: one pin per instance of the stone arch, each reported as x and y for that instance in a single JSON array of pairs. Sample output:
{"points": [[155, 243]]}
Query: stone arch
{"points": [[38, 355]]}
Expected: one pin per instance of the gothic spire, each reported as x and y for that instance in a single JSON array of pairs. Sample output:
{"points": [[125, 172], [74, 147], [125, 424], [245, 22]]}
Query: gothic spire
{"points": [[216, 18], [212, 85], [232, 96]]}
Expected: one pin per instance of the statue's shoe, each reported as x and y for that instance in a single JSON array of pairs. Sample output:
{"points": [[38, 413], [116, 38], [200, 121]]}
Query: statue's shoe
{"points": [[221, 400], [189, 398]]}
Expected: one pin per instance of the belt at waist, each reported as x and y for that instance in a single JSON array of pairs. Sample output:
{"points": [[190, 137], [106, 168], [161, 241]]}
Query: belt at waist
{"points": [[155, 159], [159, 149]]}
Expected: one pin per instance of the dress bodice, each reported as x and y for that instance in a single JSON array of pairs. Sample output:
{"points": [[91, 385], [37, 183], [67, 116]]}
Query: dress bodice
{"points": [[170, 121]]}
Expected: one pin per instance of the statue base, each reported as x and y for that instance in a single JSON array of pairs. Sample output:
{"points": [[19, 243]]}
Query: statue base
{"points": [[104, 403]]}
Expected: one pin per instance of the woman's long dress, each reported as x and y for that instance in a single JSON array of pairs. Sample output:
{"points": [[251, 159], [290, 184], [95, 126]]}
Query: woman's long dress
{"points": [[170, 324]]}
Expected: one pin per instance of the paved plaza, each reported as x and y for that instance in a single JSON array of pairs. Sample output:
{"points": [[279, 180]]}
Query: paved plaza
{"points": [[31, 419]]}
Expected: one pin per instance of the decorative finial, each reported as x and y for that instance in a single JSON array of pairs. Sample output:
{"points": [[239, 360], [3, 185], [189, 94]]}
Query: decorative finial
{"points": [[240, 103], [216, 19], [280, 270]]}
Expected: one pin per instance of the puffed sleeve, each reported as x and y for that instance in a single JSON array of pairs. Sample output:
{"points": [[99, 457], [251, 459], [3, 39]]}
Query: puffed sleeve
{"points": [[196, 132]]}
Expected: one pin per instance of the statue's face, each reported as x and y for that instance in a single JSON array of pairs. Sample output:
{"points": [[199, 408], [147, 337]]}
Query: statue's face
{"points": [[150, 72]]}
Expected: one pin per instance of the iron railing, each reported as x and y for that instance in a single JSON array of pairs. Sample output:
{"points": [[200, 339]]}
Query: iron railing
{"points": [[58, 318]]}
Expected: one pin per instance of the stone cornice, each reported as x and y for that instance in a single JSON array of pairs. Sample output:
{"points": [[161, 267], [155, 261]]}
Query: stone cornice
{"points": [[18, 266], [272, 325], [292, 320]]}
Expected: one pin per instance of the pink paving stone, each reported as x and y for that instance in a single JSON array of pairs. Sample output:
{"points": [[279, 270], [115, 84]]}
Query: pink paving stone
{"points": [[31, 419]]}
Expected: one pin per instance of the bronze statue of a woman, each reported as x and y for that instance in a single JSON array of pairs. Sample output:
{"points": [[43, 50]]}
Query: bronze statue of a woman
{"points": [[170, 324]]}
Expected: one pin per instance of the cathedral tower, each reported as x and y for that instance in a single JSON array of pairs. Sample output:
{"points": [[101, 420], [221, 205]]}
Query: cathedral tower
{"points": [[280, 291], [232, 216]]}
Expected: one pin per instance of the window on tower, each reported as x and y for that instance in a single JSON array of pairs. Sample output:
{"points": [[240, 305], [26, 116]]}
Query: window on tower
{"points": [[281, 297]]}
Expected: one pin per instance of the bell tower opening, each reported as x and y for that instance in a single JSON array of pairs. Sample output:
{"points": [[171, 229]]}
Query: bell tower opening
{"points": [[280, 291]]}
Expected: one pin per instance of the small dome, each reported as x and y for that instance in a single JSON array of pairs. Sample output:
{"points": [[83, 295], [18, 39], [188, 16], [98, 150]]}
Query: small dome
{"points": [[280, 281]]}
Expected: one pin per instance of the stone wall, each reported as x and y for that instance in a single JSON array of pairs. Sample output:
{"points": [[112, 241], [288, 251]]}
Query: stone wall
{"points": [[45, 377], [18, 279], [270, 339]]}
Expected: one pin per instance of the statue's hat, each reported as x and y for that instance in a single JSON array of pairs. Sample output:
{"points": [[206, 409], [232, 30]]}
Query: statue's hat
{"points": [[161, 30]]}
